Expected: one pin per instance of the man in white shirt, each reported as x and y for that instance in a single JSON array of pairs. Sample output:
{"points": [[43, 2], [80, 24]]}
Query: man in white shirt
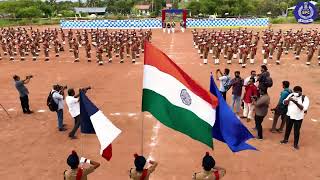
{"points": [[73, 104], [58, 97], [298, 105], [224, 81]]}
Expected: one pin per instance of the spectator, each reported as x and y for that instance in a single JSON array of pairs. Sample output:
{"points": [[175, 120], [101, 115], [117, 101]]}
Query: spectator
{"points": [[281, 109], [58, 97], [76, 173], [139, 173], [224, 82], [210, 170], [250, 91], [264, 78], [261, 107], [23, 92], [236, 84], [73, 104], [298, 105], [253, 74]]}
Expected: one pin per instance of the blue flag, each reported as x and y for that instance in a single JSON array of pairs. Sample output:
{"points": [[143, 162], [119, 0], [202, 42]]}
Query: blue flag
{"points": [[87, 109], [227, 127]]}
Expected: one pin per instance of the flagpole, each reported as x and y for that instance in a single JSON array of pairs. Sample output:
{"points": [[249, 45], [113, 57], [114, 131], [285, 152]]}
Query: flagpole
{"points": [[142, 132]]}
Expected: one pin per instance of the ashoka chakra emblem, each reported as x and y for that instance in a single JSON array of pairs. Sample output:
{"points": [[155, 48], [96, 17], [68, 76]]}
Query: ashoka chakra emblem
{"points": [[185, 97]]}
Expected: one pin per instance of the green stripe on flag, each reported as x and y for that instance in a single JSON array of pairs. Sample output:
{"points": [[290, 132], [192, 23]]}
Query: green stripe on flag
{"points": [[177, 118]]}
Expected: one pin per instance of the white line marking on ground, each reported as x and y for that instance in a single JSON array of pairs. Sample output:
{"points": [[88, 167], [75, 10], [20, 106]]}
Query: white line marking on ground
{"points": [[11, 109], [41, 110], [314, 120], [271, 119], [132, 114], [154, 139], [115, 114]]}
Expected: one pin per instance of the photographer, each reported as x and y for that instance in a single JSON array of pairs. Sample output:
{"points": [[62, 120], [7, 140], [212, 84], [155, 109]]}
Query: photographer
{"points": [[23, 92], [298, 105], [261, 108], [236, 84], [73, 104], [58, 97], [224, 81]]}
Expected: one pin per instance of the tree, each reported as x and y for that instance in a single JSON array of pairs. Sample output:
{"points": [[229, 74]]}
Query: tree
{"points": [[46, 9], [29, 12], [194, 7]]}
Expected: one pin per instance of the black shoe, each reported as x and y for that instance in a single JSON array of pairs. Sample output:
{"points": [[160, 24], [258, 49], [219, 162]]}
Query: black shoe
{"points": [[279, 130], [29, 112], [62, 129], [296, 147], [73, 137], [283, 142]]}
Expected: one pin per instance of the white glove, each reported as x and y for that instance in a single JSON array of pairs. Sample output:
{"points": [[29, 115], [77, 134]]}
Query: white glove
{"points": [[84, 160]]}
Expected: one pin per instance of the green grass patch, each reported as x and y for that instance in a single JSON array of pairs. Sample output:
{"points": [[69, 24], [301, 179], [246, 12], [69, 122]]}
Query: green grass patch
{"points": [[283, 20], [26, 21]]}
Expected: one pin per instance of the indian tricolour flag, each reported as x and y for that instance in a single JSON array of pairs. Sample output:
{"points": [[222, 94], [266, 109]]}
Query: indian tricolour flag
{"points": [[175, 99]]}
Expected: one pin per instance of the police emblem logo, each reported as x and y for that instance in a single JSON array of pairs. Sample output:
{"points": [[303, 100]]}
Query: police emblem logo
{"points": [[305, 12], [185, 97]]}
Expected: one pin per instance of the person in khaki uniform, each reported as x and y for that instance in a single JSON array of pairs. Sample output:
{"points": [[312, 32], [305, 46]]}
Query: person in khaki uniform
{"points": [[139, 173], [210, 171], [76, 172]]}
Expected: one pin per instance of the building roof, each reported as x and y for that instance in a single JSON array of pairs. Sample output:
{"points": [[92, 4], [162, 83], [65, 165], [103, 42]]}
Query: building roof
{"points": [[90, 10], [143, 7]]}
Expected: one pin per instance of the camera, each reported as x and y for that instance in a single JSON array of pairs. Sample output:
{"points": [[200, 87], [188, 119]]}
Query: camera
{"points": [[61, 88], [85, 89], [255, 98]]}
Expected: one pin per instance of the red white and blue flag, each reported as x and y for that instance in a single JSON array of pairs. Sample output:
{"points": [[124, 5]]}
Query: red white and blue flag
{"points": [[93, 121]]}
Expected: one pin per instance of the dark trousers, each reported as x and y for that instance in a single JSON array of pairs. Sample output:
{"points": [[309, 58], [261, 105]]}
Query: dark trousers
{"points": [[259, 120], [275, 120], [224, 95], [25, 103], [76, 126], [297, 126]]}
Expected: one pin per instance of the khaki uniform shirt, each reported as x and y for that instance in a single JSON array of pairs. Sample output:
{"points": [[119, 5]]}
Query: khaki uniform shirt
{"points": [[72, 174], [133, 174], [208, 175]]}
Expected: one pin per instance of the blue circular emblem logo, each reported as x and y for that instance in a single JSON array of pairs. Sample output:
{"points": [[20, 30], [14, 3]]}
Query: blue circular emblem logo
{"points": [[185, 97], [305, 12]]}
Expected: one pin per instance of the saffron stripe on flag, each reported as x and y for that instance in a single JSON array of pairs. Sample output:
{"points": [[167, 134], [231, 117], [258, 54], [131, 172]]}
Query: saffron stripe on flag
{"points": [[155, 57]]}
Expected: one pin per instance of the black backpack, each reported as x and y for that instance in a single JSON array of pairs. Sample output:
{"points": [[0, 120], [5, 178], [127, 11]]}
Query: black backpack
{"points": [[268, 82], [53, 106]]}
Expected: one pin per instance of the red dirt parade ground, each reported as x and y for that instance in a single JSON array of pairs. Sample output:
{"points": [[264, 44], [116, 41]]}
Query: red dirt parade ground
{"points": [[32, 148]]}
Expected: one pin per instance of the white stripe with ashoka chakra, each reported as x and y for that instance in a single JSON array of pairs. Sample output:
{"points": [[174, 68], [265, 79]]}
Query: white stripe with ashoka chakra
{"points": [[168, 86]]}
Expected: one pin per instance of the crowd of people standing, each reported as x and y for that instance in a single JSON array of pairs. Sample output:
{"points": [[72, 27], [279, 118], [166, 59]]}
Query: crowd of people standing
{"points": [[252, 93]]}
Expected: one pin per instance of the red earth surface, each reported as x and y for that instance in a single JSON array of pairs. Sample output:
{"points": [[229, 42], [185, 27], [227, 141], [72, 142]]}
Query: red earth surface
{"points": [[31, 147]]}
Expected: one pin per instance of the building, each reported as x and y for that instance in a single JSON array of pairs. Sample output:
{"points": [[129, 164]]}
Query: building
{"points": [[90, 10], [144, 9]]}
